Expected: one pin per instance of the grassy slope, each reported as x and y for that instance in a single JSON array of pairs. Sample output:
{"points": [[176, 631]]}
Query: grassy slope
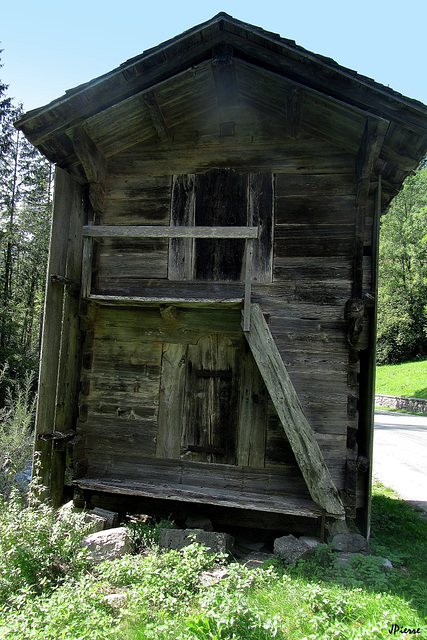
{"points": [[408, 379]]}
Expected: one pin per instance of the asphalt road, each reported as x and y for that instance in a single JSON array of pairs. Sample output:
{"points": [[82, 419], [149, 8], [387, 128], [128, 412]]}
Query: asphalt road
{"points": [[400, 454]]}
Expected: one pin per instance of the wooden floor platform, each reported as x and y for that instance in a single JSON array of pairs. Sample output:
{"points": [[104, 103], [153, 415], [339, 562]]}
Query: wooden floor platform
{"points": [[244, 500]]}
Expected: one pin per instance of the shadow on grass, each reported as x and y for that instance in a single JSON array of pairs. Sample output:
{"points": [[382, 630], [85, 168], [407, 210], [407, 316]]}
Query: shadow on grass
{"points": [[399, 533], [420, 393]]}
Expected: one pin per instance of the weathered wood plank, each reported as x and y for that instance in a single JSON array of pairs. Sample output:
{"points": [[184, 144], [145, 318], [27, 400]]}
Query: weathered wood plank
{"points": [[252, 415], [288, 407], [105, 231], [137, 325], [137, 200], [181, 250], [132, 258], [221, 201], [307, 156], [248, 284], [272, 489], [313, 240], [294, 111], [211, 402], [261, 215], [106, 435], [229, 499], [318, 186], [171, 400], [315, 210], [369, 150]]}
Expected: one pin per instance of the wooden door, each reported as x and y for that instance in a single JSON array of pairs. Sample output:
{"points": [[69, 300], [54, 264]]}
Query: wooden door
{"points": [[210, 411]]}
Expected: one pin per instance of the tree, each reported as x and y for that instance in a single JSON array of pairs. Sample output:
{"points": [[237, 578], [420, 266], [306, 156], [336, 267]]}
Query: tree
{"points": [[402, 308], [25, 209]]}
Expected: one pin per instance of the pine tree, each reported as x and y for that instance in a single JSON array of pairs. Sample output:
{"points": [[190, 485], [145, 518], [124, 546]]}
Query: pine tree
{"points": [[25, 209]]}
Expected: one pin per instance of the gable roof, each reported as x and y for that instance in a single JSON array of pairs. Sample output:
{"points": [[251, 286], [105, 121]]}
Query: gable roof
{"points": [[223, 62]]}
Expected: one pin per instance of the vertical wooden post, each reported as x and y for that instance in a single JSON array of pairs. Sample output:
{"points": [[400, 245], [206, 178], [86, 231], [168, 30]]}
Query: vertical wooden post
{"points": [[365, 525], [68, 379], [248, 284], [67, 196]]}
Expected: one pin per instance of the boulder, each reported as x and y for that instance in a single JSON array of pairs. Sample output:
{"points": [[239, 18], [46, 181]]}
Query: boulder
{"points": [[349, 542], [291, 549], [311, 541], [108, 544]]}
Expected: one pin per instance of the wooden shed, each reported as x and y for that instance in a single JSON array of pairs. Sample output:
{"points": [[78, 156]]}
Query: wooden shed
{"points": [[209, 329]]}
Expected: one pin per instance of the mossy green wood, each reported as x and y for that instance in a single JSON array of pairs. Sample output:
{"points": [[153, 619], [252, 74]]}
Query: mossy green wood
{"points": [[298, 431]]}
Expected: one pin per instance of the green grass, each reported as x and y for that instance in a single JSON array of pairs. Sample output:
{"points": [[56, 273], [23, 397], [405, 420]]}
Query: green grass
{"points": [[408, 380], [49, 592]]}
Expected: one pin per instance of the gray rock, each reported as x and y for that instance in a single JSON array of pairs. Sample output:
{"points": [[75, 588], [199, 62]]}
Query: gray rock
{"points": [[386, 565], [344, 557], [353, 542], [180, 538], [96, 523], [107, 545], [291, 549], [199, 522], [312, 542], [336, 526], [111, 517]]}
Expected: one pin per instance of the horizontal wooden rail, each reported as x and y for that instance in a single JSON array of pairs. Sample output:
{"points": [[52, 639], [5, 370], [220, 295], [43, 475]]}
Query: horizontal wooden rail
{"points": [[122, 231]]}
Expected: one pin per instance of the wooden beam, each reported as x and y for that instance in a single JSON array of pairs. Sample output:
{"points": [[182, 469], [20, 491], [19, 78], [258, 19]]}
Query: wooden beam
{"points": [[248, 284], [90, 156], [295, 424], [150, 101], [122, 231], [369, 150]]}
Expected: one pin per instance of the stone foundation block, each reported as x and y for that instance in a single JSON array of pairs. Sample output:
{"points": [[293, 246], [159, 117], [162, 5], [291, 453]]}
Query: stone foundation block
{"points": [[180, 538]]}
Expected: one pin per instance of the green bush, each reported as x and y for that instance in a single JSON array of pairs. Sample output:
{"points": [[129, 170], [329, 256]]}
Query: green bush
{"points": [[16, 437], [39, 547]]}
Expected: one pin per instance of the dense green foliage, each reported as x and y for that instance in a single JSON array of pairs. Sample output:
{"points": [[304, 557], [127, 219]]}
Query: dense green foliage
{"points": [[16, 437], [49, 591], [402, 301], [25, 209], [408, 379]]}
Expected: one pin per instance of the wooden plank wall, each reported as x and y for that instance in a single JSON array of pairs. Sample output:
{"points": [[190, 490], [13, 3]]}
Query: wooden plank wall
{"points": [[136, 350], [313, 257]]}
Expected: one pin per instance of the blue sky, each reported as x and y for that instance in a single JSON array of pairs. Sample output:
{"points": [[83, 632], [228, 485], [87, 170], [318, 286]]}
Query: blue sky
{"points": [[53, 46]]}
